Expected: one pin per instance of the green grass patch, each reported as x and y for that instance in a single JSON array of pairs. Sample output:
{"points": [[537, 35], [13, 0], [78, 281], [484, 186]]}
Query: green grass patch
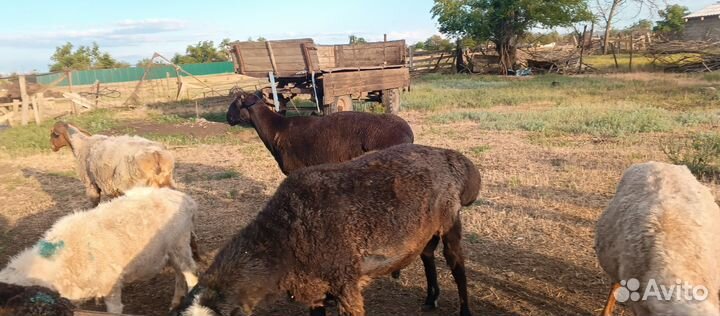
{"points": [[439, 92], [712, 76], [32, 138], [190, 140], [480, 150], [580, 120], [700, 153]]}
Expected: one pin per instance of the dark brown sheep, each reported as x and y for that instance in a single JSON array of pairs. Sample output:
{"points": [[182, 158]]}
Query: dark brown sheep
{"points": [[330, 229], [302, 141], [18, 300]]}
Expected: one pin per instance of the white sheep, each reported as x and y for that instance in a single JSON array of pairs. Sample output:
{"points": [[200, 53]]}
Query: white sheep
{"points": [[111, 165], [661, 228], [91, 254]]}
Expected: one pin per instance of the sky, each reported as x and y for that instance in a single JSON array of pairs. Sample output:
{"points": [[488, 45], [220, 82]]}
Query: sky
{"points": [[131, 30]]}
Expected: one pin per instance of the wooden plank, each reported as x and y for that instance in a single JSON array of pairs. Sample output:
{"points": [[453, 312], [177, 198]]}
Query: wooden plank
{"points": [[79, 100], [272, 57], [36, 111], [345, 83], [16, 106], [25, 100]]}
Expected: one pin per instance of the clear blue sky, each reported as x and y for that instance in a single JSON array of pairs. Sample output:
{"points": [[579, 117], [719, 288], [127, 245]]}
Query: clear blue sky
{"points": [[131, 30]]}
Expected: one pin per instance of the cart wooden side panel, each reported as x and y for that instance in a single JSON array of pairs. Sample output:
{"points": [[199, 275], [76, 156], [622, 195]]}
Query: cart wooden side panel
{"points": [[286, 58], [355, 82], [390, 53]]}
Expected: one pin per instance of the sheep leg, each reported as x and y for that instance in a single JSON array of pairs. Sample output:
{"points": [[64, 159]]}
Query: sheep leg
{"points": [[185, 267], [452, 250], [351, 301], [113, 301], [610, 304], [428, 260]]}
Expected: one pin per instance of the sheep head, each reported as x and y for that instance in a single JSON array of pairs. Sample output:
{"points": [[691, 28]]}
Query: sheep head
{"points": [[59, 136], [236, 113]]}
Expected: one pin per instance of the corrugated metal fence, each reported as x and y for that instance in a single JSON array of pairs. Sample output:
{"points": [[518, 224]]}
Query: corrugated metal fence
{"points": [[86, 77]]}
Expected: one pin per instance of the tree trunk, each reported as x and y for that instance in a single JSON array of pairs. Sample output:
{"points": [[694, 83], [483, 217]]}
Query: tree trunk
{"points": [[608, 26], [507, 53], [459, 61]]}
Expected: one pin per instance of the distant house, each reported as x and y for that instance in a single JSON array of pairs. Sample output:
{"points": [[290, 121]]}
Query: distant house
{"points": [[703, 24]]}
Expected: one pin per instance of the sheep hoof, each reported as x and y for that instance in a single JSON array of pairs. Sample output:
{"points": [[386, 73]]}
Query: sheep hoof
{"points": [[429, 307]]}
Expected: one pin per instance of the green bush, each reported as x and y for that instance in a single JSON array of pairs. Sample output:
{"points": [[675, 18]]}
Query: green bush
{"points": [[700, 153]]}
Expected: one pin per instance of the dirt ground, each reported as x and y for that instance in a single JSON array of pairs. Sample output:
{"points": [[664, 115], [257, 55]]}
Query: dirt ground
{"points": [[528, 240]]}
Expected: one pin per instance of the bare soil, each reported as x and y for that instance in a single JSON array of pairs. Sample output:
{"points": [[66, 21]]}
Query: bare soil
{"points": [[528, 240]]}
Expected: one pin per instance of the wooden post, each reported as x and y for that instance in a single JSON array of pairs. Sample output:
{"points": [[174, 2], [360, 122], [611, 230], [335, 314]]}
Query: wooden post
{"points": [[97, 93], [41, 103], [69, 76], [582, 49], [167, 84], [25, 99], [614, 55], [36, 111], [16, 106], [384, 48], [630, 42], [197, 110], [412, 52]]}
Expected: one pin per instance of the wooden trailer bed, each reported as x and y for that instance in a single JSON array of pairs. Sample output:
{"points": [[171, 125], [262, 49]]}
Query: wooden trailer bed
{"points": [[334, 75]]}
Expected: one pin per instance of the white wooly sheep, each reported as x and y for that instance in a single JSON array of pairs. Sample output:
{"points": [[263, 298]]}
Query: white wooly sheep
{"points": [[662, 226], [91, 254], [111, 165]]}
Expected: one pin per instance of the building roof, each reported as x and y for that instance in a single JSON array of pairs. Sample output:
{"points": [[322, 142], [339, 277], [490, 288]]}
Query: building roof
{"points": [[711, 10]]}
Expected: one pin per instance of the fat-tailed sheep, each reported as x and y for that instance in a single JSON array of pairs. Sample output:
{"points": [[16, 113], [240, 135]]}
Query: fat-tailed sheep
{"points": [[91, 254], [662, 227], [111, 165], [330, 229]]}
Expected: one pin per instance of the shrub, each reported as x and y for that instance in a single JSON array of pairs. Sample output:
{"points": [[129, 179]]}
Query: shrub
{"points": [[700, 153]]}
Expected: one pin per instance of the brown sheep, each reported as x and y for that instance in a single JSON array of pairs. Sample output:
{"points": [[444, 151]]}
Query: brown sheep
{"points": [[302, 141], [330, 229]]}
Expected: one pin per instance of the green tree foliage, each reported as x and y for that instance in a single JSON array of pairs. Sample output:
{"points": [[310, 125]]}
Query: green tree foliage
{"points": [[203, 52], [542, 38], [643, 26], [352, 39], [82, 58], [504, 22], [672, 23], [436, 42]]}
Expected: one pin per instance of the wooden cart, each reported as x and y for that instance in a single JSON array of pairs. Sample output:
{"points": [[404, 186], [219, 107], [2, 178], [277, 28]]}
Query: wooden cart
{"points": [[333, 75]]}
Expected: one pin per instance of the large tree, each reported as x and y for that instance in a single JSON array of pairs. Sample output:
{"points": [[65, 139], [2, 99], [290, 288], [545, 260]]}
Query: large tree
{"points": [[503, 22], [609, 10], [83, 58], [673, 21], [203, 52]]}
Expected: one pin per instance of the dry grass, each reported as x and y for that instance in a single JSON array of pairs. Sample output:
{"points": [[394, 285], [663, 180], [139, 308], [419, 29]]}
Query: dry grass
{"points": [[528, 239]]}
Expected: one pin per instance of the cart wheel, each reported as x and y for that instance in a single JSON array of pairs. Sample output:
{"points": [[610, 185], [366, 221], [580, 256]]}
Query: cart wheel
{"points": [[343, 103], [391, 100]]}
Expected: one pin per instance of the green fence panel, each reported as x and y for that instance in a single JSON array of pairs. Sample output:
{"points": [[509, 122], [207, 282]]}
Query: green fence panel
{"points": [[86, 77]]}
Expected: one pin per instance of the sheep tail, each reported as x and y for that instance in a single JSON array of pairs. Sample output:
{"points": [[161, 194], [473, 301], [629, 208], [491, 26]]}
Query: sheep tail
{"points": [[158, 167]]}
